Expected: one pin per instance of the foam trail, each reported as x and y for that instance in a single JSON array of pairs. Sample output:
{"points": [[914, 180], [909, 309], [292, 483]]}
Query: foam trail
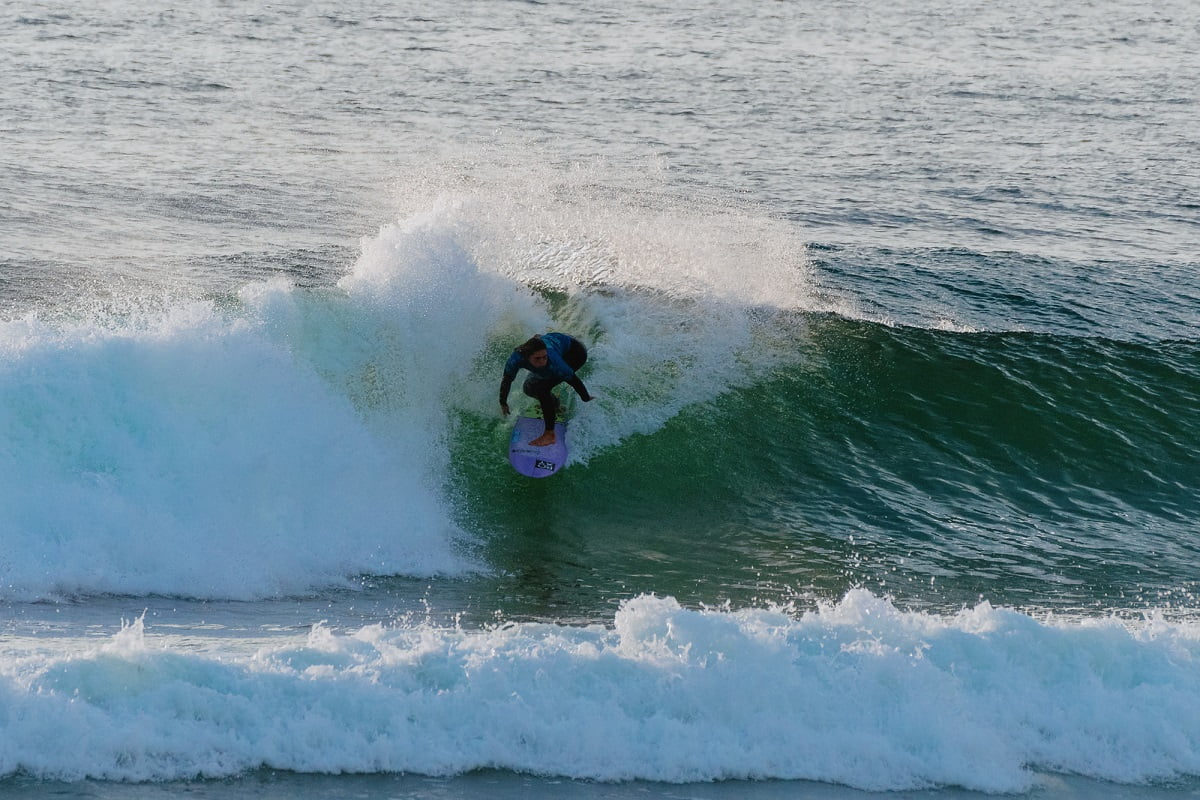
{"points": [[859, 693]]}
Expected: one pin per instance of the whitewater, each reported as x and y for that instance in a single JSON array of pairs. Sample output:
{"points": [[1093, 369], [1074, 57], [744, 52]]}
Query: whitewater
{"points": [[857, 693], [890, 483]]}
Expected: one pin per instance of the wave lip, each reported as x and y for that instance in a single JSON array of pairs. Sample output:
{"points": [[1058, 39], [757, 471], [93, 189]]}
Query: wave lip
{"points": [[857, 693]]}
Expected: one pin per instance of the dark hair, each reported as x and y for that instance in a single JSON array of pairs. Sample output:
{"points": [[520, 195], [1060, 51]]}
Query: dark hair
{"points": [[530, 347]]}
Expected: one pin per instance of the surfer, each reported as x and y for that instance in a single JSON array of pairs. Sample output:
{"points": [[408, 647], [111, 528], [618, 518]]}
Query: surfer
{"points": [[551, 358]]}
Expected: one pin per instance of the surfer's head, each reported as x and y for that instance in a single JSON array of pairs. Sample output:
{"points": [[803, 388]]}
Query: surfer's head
{"points": [[532, 346], [534, 351]]}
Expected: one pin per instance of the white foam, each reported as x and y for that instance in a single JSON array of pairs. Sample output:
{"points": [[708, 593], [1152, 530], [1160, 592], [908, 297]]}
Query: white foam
{"points": [[195, 453], [858, 693]]}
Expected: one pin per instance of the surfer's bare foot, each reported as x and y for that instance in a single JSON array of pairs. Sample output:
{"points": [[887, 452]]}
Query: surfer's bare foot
{"points": [[544, 439]]}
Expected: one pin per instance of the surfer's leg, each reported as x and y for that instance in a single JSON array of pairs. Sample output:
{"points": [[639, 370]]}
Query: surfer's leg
{"points": [[540, 390], [576, 355], [549, 410]]}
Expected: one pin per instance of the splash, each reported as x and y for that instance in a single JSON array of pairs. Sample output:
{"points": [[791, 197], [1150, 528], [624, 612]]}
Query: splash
{"points": [[681, 294]]}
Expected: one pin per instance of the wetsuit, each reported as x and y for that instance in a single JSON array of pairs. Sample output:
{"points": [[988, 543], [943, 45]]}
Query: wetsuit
{"points": [[564, 355]]}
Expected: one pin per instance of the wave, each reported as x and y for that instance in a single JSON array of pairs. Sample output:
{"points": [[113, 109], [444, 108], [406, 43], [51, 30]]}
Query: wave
{"points": [[191, 454], [281, 439], [935, 466], [1060, 411], [856, 693]]}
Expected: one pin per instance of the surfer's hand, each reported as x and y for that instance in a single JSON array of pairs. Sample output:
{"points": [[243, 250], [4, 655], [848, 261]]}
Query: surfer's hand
{"points": [[588, 399], [504, 409]]}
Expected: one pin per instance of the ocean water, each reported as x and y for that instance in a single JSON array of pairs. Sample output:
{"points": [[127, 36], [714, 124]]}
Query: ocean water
{"points": [[891, 482]]}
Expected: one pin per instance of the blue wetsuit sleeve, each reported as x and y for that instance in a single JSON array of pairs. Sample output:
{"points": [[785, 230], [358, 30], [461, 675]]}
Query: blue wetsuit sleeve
{"points": [[511, 368]]}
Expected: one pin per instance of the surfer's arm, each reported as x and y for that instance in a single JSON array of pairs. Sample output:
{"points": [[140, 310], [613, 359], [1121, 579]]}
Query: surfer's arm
{"points": [[505, 385], [579, 388], [511, 368]]}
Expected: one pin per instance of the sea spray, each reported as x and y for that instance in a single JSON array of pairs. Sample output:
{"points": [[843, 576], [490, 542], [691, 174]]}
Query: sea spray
{"points": [[681, 295]]}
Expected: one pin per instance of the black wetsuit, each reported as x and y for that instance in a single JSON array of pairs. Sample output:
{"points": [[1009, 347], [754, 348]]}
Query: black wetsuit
{"points": [[564, 355]]}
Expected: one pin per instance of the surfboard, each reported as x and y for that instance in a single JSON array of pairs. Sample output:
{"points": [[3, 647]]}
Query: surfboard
{"points": [[537, 462]]}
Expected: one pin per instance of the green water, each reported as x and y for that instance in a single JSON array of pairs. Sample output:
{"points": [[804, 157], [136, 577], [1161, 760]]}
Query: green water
{"points": [[937, 467]]}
